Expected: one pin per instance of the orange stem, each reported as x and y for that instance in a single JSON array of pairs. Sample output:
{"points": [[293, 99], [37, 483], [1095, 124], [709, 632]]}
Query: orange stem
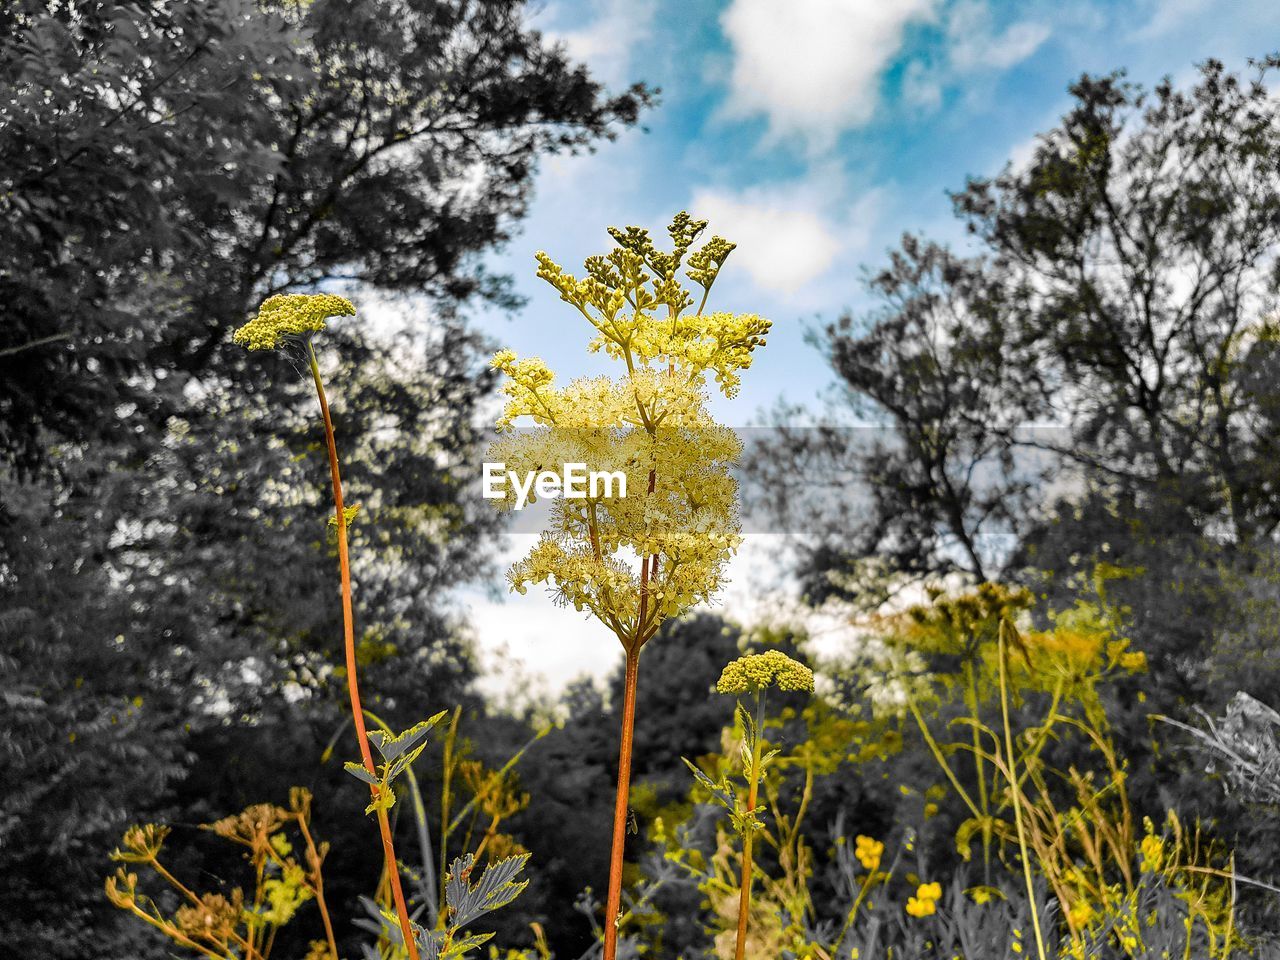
{"points": [[348, 636], [744, 895], [614, 902]]}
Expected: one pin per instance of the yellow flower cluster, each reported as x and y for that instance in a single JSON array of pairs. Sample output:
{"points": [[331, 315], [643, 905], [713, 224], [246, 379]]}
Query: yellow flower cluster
{"points": [[756, 671], [924, 903], [1081, 912], [868, 852], [1152, 850], [635, 560], [291, 315]]}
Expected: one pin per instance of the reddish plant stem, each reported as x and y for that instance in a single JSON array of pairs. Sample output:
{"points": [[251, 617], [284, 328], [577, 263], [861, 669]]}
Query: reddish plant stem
{"points": [[614, 902], [744, 895], [349, 643]]}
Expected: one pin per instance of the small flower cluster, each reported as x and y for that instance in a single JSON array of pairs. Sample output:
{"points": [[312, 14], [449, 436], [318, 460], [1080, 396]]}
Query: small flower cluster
{"points": [[924, 903], [868, 852], [758, 671], [291, 315]]}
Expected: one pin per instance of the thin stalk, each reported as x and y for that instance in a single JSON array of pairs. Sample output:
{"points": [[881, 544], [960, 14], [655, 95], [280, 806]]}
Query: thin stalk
{"points": [[744, 895], [941, 759], [613, 903], [1017, 795], [979, 770], [420, 821], [445, 796], [313, 855], [349, 643]]}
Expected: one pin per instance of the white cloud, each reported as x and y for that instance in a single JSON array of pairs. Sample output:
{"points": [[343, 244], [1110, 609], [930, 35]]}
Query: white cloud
{"points": [[921, 87], [974, 46], [780, 247], [605, 44], [1168, 15], [813, 67]]}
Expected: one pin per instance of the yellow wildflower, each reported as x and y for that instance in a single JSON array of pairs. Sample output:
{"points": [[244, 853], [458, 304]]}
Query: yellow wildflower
{"points": [[923, 904], [920, 908], [1081, 912], [868, 852], [983, 895], [651, 425], [758, 671], [291, 315], [1134, 662], [1152, 850]]}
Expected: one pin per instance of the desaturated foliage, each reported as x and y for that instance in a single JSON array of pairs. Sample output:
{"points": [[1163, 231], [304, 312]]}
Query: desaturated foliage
{"points": [[164, 558]]}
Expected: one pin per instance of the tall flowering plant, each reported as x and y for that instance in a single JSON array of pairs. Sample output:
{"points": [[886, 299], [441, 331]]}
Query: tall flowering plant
{"points": [[634, 561]]}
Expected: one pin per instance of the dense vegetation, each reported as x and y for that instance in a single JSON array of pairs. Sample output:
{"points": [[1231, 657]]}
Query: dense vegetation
{"points": [[1053, 736]]}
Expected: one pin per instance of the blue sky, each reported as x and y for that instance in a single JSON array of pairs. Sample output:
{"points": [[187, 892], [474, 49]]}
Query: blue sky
{"points": [[813, 133]]}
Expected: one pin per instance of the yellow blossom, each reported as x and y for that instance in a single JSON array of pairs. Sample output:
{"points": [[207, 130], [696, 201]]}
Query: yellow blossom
{"points": [[1081, 912], [920, 908], [757, 671], [868, 852], [638, 559], [1152, 850], [983, 894], [924, 903], [291, 315]]}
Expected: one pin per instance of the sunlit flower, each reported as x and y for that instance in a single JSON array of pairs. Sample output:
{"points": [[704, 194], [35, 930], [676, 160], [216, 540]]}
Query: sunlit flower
{"points": [[291, 315], [1152, 850], [1081, 912], [757, 671], [868, 852], [924, 903], [920, 908]]}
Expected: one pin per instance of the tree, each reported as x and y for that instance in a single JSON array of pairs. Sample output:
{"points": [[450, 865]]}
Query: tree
{"points": [[169, 166], [1119, 296], [165, 166]]}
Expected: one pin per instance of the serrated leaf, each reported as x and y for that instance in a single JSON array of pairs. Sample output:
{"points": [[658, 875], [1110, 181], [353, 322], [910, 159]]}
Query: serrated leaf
{"points": [[464, 945], [496, 888], [358, 771], [403, 763], [393, 746], [430, 943]]}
